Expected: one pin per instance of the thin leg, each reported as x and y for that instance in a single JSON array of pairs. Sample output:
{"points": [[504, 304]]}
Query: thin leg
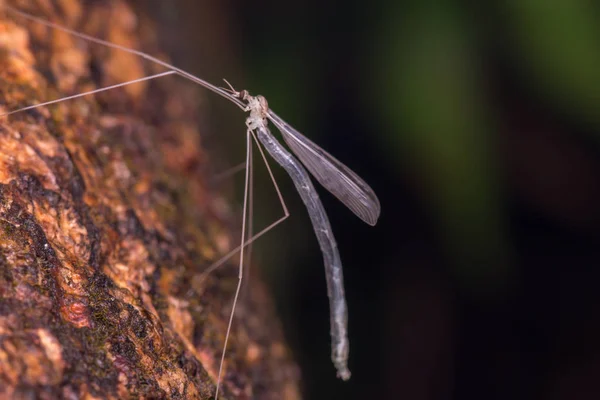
{"points": [[229, 172], [47, 103], [286, 213], [250, 223], [241, 265], [262, 154]]}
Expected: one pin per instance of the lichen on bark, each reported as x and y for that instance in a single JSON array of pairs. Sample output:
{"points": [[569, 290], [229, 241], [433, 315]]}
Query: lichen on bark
{"points": [[106, 223]]}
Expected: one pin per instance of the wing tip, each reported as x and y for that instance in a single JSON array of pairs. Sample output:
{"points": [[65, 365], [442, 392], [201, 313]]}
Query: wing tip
{"points": [[371, 219]]}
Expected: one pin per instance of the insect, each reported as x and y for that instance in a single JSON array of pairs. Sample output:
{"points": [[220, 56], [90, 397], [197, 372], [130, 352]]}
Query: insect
{"points": [[343, 183]]}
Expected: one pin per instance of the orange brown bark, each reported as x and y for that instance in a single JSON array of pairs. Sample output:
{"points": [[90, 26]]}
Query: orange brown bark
{"points": [[106, 223]]}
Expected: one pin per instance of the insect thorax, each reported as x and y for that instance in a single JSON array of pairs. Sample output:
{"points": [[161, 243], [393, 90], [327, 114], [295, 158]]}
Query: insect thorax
{"points": [[258, 107]]}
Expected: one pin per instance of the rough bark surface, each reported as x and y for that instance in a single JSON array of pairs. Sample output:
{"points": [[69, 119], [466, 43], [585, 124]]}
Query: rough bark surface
{"points": [[106, 223]]}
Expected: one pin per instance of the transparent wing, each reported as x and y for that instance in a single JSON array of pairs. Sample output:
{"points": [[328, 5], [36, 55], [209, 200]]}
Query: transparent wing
{"points": [[344, 184]]}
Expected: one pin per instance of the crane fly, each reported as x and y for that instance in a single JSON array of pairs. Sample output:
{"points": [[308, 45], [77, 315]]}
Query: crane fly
{"points": [[338, 179]]}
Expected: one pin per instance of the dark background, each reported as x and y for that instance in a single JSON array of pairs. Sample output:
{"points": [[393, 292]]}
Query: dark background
{"points": [[477, 124]]}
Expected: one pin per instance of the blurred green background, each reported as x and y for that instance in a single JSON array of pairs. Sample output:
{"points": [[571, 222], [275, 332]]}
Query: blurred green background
{"points": [[478, 125]]}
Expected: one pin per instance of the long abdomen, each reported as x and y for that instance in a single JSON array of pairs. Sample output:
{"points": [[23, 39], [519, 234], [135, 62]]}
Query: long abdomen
{"points": [[333, 265]]}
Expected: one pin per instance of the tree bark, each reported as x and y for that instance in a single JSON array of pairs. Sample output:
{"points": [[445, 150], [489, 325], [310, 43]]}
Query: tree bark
{"points": [[107, 220]]}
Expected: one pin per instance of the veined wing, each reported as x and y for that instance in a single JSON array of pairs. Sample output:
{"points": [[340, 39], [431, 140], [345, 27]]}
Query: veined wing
{"points": [[340, 180]]}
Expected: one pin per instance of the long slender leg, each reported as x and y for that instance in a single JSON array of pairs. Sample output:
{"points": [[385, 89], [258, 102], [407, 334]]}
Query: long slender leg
{"points": [[250, 223], [47, 103], [286, 213], [241, 265], [229, 172]]}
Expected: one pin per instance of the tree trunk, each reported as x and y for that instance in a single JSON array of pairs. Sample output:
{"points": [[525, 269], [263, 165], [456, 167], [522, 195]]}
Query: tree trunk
{"points": [[107, 220]]}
